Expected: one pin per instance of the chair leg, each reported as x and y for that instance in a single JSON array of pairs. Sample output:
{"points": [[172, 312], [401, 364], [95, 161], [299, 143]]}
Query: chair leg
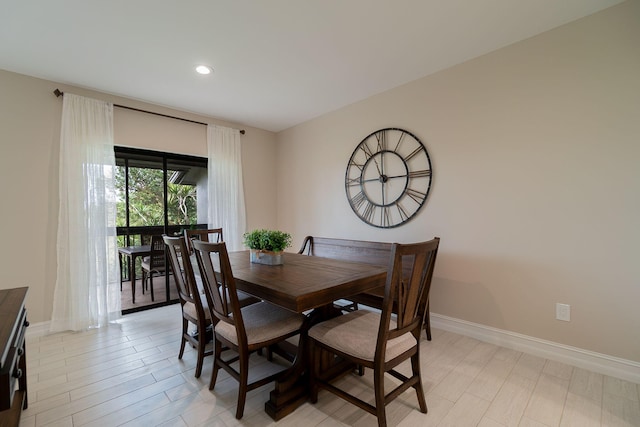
{"points": [[427, 323], [269, 354], [202, 342], [185, 326], [120, 264], [415, 367], [151, 285], [217, 353], [378, 383], [244, 379], [313, 372]]}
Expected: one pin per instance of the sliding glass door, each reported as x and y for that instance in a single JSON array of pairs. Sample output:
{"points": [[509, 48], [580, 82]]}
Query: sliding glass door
{"points": [[158, 193]]}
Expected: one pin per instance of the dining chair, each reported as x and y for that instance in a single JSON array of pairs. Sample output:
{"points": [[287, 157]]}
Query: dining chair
{"points": [[378, 340], [192, 302], [241, 330], [154, 263], [208, 235]]}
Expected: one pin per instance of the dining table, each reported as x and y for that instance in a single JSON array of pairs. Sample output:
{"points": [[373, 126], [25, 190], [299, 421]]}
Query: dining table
{"points": [[132, 253], [303, 284]]}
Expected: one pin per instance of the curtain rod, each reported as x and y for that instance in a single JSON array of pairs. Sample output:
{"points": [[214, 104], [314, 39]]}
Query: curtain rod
{"points": [[59, 93]]}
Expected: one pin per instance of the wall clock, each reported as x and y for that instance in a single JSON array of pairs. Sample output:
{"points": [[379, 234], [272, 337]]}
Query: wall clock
{"points": [[388, 178]]}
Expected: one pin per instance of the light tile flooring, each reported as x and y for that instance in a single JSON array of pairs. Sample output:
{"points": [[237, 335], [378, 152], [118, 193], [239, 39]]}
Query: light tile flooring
{"points": [[129, 374]]}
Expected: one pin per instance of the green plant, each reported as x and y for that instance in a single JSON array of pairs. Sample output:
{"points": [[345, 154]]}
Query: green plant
{"points": [[267, 240]]}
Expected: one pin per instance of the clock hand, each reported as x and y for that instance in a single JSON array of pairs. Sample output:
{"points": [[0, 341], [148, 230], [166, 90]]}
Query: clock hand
{"points": [[377, 166], [382, 178], [373, 179], [397, 176]]}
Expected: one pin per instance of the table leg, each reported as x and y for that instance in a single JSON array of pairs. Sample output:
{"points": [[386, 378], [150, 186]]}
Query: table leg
{"points": [[132, 277], [292, 389], [120, 263]]}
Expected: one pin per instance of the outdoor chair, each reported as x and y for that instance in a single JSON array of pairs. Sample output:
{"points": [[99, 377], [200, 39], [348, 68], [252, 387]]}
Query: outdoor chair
{"points": [[154, 263]]}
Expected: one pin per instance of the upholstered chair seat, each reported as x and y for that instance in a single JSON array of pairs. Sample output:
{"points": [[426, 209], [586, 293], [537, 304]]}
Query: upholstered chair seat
{"points": [[189, 309], [356, 334], [263, 322]]}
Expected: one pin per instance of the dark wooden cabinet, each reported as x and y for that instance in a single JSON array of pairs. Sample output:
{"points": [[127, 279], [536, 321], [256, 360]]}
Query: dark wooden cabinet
{"points": [[13, 361]]}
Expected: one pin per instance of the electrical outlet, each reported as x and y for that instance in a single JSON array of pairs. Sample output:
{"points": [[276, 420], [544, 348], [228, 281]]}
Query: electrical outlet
{"points": [[563, 312]]}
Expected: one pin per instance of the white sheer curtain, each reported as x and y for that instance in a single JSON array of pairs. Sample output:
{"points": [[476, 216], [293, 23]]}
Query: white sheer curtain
{"points": [[226, 191], [87, 292]]}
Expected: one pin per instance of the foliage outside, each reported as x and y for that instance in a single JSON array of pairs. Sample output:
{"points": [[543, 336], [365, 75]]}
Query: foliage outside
{"points": [[267, 240], [146, 199]]}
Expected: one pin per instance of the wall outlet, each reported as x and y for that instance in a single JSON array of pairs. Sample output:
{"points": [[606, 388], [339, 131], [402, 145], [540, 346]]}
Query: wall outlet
{"points": [[563, 312]]}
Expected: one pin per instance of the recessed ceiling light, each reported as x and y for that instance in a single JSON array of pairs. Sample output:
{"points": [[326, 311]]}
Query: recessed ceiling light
{"points": [[204, 69]]}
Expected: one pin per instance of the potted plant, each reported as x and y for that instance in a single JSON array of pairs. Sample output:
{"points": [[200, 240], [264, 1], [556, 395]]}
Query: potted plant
{"points": [[267, 245]]}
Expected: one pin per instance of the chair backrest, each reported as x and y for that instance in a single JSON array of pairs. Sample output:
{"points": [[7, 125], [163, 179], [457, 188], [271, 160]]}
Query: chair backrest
{"points": [[157, 252], [183, 272], [213, 235], [407, 288], [220, 286]]}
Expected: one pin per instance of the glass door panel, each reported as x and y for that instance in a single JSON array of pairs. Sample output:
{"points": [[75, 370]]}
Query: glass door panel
{"points": [[186, 194], [157, 193]]}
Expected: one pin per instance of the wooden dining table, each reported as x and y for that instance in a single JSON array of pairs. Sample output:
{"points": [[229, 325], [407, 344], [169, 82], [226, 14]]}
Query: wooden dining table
{"points": [[303, 284]]}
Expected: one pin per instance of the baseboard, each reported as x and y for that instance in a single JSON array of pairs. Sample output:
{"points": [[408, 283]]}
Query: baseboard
{"points": [[592, 361]]}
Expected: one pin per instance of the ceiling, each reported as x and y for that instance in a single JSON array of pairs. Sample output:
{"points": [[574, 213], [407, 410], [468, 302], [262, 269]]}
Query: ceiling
{"points": [[277, 63]]}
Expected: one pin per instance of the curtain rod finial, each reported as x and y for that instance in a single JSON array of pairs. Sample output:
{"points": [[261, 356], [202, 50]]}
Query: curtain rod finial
{"points": [[58, 93]]}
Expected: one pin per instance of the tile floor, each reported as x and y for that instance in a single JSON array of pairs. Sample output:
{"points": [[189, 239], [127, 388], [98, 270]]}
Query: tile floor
{"points": [[129, 374]]}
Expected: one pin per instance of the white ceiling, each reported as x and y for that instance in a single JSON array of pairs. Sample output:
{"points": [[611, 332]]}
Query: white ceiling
{"points": [[277, 62]]}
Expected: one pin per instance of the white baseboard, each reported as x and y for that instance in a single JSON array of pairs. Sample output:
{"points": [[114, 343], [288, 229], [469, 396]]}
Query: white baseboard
{"points": [[592, 361]]}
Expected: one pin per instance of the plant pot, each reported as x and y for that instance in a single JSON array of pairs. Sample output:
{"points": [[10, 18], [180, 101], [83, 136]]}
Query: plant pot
{"points": [[266, 257]]}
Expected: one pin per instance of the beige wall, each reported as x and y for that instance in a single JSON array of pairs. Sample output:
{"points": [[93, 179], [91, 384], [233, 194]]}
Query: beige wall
{"points": [[536, 189], [29, 143]]}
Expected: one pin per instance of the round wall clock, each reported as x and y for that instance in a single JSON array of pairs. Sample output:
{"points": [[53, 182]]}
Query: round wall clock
{"points": [[388, 177]]}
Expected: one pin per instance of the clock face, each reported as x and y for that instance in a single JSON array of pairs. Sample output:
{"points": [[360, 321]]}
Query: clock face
{"points": [[388, 177]]}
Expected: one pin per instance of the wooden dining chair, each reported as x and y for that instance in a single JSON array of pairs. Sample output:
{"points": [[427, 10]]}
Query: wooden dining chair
{"points": [[241, 330], [213, 235], [154, 263], [193, 303], [375, 340]]}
